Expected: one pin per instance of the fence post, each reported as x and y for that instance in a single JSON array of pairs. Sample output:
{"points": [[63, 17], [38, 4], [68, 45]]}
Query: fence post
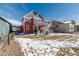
{"points": [[8, 40]]}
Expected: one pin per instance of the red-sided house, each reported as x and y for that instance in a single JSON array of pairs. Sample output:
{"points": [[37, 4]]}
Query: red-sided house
{"points": [[31, 21], [28, 23]]}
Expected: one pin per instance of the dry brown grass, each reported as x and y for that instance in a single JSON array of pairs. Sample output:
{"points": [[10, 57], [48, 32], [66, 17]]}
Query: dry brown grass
{"points": [[54, 37], [63, 51], [76, 50], [13, 49], [0, 39], [66, 51]]}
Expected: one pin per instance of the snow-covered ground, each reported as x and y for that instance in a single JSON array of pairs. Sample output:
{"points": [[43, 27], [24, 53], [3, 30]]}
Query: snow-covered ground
{"points": [[32, 47]]}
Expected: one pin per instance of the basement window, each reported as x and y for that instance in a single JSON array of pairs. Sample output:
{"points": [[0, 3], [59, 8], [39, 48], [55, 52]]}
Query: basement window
{"points": [[27, 27]]}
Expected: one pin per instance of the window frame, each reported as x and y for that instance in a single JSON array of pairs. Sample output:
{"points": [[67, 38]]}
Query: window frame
{"points": [[27, 27]]}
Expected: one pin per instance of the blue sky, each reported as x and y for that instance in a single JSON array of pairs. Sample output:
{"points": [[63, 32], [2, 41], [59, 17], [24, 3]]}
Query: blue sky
{"points": [[51, 11]]}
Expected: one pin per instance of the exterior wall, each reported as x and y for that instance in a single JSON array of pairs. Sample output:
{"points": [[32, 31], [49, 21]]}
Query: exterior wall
{"points": [[29, 26], [76, 28], [21, 28], [71, 28], [29, 23], [4, 33], [23, 24], [63, 28], [67, 28], [4, 28], [55, 26]]}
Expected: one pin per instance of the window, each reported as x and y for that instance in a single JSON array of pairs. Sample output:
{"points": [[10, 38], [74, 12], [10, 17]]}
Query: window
{"points": [[27, 27], [26, 19]]}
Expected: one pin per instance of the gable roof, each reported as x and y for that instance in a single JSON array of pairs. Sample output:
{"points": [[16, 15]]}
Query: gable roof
{"points": [[31, 14], [54, 22], [34, 14], [37, 16], [12, 22], [2, 18], [67, 22]]}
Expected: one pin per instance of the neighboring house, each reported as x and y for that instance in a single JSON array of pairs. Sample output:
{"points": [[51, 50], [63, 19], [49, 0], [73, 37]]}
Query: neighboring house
{"points": [[31, 22], [66, 27], [54, 25], [76, 27], [5, 27], [16, 28]]}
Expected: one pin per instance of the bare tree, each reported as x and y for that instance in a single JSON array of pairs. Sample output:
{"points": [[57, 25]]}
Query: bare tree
{"points": [[73, 21]]}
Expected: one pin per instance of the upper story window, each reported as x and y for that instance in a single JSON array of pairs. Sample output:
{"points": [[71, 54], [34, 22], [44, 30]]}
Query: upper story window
{"points": [[26, 19]]}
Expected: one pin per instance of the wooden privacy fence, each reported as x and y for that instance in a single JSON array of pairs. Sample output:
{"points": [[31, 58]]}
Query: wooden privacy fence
{"points": [[6, 33], [5, 41], [11, 35]]}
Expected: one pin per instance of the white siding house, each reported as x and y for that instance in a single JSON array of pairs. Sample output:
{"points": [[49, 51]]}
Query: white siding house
{"points": [[4, 27], [66, 27], [76, 27]]}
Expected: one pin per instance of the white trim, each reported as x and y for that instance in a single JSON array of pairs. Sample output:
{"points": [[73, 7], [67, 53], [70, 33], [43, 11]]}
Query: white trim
{"points": [[29, 13], [24, 25]]}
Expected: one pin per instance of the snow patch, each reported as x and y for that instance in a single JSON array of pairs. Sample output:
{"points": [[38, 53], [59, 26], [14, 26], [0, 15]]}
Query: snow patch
{"points": [[46, 47]]}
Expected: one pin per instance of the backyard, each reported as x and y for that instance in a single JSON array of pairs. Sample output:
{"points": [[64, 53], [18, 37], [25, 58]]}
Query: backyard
{"points": [[53, 44]]}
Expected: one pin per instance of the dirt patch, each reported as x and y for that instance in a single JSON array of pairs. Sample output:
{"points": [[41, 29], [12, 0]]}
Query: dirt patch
{"points": [[12, 50], [0, 39]]}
